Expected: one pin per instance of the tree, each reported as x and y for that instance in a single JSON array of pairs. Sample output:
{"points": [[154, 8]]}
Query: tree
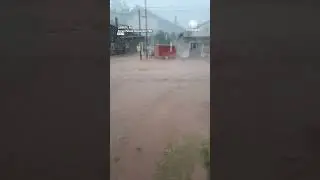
{"points": [[159, 37], [162, 37], [119, 6], [173, 36], [124, 6]]}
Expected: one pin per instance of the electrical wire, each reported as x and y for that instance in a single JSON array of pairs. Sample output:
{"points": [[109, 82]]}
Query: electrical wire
{"points": [[179, 8]]}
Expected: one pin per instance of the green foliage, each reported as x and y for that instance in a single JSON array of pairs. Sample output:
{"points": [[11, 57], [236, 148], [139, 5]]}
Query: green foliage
{"points": [[119, 6], [162, 37], [173, 36], [205, 153], [181, 158]]}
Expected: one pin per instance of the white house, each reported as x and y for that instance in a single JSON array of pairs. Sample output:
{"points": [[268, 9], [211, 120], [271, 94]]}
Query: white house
{"points": [[195, 42], [203, 30]]}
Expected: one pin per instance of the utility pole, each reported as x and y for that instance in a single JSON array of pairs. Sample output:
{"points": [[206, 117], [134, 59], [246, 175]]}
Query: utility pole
{"points": [[146, 16], [140, 33]]}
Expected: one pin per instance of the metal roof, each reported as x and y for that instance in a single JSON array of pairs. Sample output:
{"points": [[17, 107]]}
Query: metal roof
{"points": [[204, 23]]}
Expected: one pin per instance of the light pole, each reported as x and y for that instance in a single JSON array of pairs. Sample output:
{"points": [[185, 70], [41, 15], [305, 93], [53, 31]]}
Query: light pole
{"points": [[140, 33], [146, 16]]}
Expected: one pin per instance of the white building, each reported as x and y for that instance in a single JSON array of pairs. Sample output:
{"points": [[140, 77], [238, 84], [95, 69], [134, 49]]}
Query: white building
{"points": [[203, 30], [195, 42]]}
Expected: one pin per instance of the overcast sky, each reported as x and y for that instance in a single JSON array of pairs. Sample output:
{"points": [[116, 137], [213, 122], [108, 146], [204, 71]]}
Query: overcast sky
{"points": [[185, 10]]}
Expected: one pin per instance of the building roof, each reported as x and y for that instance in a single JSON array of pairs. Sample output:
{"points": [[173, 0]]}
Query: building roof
{"points": [[204, 23], [190, 34]]}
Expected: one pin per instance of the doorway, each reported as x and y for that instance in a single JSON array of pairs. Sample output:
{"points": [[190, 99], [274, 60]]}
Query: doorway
{"points": [[195, 49], [194, 46]]}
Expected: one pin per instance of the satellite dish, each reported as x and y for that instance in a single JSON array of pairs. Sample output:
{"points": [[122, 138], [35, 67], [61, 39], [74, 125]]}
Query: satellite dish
{"points": [[193, 24]]}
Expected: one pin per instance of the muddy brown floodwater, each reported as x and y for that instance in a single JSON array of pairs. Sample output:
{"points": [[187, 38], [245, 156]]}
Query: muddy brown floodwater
{"points": [[153, 103]]}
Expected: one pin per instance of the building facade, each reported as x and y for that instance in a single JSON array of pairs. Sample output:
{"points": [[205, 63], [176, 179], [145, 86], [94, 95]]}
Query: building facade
{"points": [[195, 42], [154, 23]]}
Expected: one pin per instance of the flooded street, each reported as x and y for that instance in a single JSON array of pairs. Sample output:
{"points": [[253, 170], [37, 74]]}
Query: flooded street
{"points": [[154, 103]]}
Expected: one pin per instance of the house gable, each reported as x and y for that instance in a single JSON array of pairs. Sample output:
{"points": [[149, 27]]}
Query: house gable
{"points": [[203, 30]]}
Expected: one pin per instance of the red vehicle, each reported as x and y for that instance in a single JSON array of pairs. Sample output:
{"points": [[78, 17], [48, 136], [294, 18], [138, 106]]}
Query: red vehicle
{"points": [[164, 51]]}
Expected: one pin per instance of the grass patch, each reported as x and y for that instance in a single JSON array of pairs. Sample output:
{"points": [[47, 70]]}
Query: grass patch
{"points": [[205, 153], [181, 158]]}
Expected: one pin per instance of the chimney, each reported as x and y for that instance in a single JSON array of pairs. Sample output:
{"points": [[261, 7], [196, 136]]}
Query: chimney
{"points": [[116, 21], [175, 20]]}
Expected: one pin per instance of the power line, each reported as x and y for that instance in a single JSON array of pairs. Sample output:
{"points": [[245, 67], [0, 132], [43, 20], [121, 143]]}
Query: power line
{"points": [[189, 7], [190, 10], [179, 9]]}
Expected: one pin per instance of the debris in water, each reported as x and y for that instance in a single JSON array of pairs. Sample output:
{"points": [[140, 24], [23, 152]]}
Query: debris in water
{"points": [[139, 149], [116, 159], [142, 69], [123, 139]]}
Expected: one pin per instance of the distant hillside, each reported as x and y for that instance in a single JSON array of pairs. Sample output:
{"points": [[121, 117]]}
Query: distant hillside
{"points": [[155, 22]]}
